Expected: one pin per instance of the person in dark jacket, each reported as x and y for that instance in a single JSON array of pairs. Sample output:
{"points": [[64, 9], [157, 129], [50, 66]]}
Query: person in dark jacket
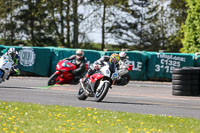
{"points": [[80, 62]]}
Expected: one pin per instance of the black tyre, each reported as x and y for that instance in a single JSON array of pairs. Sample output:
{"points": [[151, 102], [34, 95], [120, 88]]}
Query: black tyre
{"points": [[195, 92], [185, 87], [185, 93], [185, 90], [186, 73], [81, 94], [185, 70], [185, 82], [53, 79], [185, 77], [124, 80], [102, 92], [181, 93]]}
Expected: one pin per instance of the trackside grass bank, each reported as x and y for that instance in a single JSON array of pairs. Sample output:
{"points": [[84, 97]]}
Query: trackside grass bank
{"points": [[18, 117]]}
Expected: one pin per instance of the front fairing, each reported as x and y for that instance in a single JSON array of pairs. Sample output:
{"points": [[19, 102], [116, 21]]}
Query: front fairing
{"points": [[6, 62], [96, 77], [107, 72], [1, 73], [65, 65]]}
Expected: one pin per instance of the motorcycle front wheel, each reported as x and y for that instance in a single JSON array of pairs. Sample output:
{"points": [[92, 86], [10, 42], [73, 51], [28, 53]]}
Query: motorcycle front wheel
{"points": [[102, 92], [81, 94], [53, 79]]}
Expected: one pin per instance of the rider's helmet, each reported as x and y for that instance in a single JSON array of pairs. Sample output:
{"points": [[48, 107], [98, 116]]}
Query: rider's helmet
{"points": [[12, 52], [122, 55], [114, 58], [79, 54]]}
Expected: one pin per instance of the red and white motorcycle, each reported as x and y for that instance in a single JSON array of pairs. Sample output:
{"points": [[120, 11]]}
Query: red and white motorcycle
{"points": [[98, 84]]}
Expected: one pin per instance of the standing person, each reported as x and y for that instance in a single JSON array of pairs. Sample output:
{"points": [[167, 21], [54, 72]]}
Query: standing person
{"points": [[15, 57], [123, 64], [80, 62], [112, 61]]}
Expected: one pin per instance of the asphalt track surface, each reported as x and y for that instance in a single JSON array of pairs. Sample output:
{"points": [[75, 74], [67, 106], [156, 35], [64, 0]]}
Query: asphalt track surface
{"points": [[136, 97]]}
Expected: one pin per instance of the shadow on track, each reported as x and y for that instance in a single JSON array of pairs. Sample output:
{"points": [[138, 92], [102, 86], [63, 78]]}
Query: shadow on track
{"points": [[131, 103]]}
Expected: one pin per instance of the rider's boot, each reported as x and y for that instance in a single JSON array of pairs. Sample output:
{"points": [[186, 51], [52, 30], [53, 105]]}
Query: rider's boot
{"points": [[76, 79], [8, 77], [82, 82], [84, 79], [10, 74]]}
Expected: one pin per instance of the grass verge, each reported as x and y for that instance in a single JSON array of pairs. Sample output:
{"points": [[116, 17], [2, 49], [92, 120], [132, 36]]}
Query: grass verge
{"points": [[18, 117]]}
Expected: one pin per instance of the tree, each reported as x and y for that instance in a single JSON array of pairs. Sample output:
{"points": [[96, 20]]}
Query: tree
{"points": [[179, 12], [31, 18], [103, 15], [137, 24], [8, 24], [56, 20], [191, 40], [89, 21], [145, 24], [75, 23], [68, 19]]}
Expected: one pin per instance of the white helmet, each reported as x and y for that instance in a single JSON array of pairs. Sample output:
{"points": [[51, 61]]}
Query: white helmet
{"points": [[79, 53], [12, 52], [122, 55]]}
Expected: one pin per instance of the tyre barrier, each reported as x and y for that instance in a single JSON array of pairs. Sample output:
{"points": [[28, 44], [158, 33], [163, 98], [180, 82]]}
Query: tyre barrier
{"points": [[186, 81]]}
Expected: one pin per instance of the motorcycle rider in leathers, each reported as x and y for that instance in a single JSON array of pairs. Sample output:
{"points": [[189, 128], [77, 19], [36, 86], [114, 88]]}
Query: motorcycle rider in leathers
{"points": [[15, 57], [104, 60], [123, 64], [80, 62]]}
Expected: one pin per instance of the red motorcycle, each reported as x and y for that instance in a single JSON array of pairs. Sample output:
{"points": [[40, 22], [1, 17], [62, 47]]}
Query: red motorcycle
{"points": [[98, 84], [63, 74]]}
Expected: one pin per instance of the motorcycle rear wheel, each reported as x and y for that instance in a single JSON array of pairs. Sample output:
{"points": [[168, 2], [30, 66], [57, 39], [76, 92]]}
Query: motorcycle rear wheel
{"points": [[124, 80], [101, 93], [52, 80], [81, 94]]}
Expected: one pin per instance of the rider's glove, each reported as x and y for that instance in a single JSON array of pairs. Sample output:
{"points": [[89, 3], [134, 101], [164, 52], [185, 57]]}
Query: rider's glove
{"points": [[17, 71], [74, 73], [70, 71]]}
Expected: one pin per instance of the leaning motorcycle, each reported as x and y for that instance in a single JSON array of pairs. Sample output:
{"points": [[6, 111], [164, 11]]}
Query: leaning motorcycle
{"points": [[6, 64], [98, 84], [62, 75], [124, 79]]}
